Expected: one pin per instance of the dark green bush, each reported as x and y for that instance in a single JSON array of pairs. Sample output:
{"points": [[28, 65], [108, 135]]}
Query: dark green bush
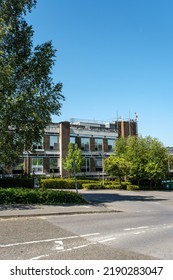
{"points": [[56, 183], [38, 196], [133, 188], [16, 183], [93, 186], [116, 187]]}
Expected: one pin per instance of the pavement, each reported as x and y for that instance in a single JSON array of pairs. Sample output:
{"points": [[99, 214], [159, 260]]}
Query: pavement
{"points": [[95, 205], [11, 211]]}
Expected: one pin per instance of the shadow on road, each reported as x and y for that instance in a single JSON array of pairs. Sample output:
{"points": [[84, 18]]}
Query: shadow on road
{"points": [[92, 197], [18, 207], [107, 197]]}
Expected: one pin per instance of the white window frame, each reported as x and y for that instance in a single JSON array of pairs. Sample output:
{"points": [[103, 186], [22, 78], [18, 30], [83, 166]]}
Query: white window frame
{"points": [[37, 168]]}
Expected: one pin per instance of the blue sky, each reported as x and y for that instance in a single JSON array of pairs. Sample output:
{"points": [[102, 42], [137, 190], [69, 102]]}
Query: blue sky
{"points": [[115, 57]]}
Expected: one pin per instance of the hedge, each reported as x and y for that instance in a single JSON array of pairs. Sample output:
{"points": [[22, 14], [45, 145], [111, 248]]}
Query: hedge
{"points": [[58, 183], [133, 188], [16, 183], [93, 186], [90, 186], [38, 196]]}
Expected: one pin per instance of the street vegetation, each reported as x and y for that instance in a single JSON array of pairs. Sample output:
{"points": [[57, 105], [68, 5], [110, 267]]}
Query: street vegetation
{"points": [[28, 94], [29, 98], [141, 161], [38, 196]]}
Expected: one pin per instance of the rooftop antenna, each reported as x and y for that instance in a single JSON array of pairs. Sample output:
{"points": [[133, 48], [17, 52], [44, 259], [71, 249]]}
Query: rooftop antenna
{"points": [[117, 125], [136, 120], [129, 125], [136, 116]]}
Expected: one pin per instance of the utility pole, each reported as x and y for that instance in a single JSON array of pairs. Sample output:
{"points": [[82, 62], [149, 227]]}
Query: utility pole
{"points": [[75, 178]]}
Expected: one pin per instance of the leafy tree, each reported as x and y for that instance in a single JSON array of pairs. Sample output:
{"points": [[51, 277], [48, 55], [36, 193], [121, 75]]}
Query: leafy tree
{"points": [[117, 166], [148, 158], [27, 92], [73, 160], [157, 163]]}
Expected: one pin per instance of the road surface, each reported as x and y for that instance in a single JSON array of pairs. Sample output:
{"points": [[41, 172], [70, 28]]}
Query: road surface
{"points": [[143, 229]]}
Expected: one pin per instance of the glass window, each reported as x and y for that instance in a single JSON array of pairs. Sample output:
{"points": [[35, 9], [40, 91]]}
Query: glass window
{"points": [[54, 165], [85, 144], [86, 165], [38, 146], [98, 163], [37, 165], [53, 162], [54, 142], [111, 144], [98, 144], [72, 139]]}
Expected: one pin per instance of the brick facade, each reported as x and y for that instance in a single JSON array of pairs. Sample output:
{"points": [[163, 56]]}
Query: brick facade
{"points": [[64, 141], [56, 140]]}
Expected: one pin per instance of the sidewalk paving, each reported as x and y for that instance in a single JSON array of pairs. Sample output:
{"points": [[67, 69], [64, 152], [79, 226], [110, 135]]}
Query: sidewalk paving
{"points": [[11, 211]]}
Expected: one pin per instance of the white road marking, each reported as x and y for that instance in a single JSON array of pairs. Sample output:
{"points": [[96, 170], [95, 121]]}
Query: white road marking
{"points": [[86, 245], [135, 228], [59, 245], [107, 240], [89, 234], [82, 246], [39, 257], [59, 242], [139, 232], [78, 247], [48, 240]]}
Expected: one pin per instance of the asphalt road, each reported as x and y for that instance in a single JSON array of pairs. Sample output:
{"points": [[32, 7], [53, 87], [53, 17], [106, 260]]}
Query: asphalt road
{"points": [[143, 230]]}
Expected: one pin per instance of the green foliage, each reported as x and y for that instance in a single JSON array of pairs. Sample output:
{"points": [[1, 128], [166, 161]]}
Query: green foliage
{"points": [[100, 186], [133, 188], [147, 156], [16, 183], [35, 196], [27, 92], [117, 166], [74, 159], [93, 186], [58, 183]]}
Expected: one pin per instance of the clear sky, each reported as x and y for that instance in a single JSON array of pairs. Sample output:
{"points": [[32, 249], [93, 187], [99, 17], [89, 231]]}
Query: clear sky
{"points": [[115, 57]]}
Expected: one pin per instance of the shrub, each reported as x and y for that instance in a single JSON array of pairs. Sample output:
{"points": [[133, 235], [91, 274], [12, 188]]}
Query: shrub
{"points": [[116, 187], [38, 196], [58, 183], [133, 188], [93, 186], [16, 183]]}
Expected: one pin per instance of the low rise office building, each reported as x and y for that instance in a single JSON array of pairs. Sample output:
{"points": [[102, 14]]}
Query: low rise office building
{"points": [[95, 139]]}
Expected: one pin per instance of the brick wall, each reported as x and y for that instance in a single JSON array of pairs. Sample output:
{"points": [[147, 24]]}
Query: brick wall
{"points": [[46, 164], [47, 142], [64, 141], [126, 128], [92, 144], [105, 145]]}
